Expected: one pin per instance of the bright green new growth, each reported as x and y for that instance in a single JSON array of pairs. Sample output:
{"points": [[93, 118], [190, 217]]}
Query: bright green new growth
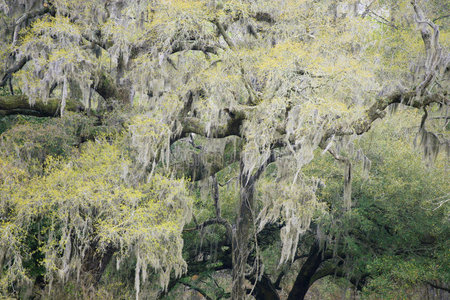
{"points": [[80, 207], [173, 77]]}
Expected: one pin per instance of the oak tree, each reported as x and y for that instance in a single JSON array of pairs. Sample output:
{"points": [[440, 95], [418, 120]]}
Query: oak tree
{"points": [[173, 85]]}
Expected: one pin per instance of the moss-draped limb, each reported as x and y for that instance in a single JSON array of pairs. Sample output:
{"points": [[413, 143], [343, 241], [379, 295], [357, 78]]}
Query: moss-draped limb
{"points": [[377, 111], [19, 104]]}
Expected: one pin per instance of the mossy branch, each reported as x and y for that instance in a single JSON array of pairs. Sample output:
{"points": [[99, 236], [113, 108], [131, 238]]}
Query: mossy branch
{"points": [[19, 104]]}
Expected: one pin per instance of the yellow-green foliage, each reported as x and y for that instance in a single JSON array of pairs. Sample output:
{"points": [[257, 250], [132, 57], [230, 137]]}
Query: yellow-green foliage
{"points": [[55, 44], [82, 206], [28, 142], [292, 69]]}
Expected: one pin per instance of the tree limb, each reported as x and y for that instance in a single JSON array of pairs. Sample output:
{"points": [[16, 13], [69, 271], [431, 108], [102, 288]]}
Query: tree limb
{"points": [[377, 111], [441, 17], [18, 104], [29, 15], [26, 16], [108, 89], [195, 46], [196, 288], [347, 177], [215, 193], [224, 34], [214, 221], [264, 289], [304, 276], [232, 127], [338, 272], [19, 65], [437, 286], [433, 49], [252, 93]]}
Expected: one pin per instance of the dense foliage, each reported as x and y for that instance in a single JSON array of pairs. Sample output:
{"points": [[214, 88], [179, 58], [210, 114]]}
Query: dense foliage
{"points": [[236, 148]]}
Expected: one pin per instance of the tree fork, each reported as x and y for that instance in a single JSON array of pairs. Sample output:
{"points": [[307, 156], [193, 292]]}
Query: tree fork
{"points": [[309, 268]]}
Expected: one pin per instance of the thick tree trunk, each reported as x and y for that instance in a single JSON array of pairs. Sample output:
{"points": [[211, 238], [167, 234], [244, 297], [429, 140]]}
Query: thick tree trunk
{"points": [[309, 268], [18, 104], [242, 234]]}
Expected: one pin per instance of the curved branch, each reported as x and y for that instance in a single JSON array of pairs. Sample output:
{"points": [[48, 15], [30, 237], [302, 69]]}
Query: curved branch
{"points": [[19, 65], [232, 127], [420, 18], [194, 46], [17, 23], [377, 111], [338, 272], [309, 268], [202, 266], [214, 221], [29, 15]]}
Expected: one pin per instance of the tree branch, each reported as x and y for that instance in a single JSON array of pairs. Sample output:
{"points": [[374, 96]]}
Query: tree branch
{"points": [[196, 288], [377, 111], [309, 268], [262, 168], [264, 289], [252, 93], [436, 286], [215, 193], [202, 266], [224, 34], [214, 221], [413, 98], [18, 104], [433, 49], [338, 272], [440, 17], [426, 34], [347, 178], [19, 65], [232, 127], [195, 46], [28, 15], [107, 88]]}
